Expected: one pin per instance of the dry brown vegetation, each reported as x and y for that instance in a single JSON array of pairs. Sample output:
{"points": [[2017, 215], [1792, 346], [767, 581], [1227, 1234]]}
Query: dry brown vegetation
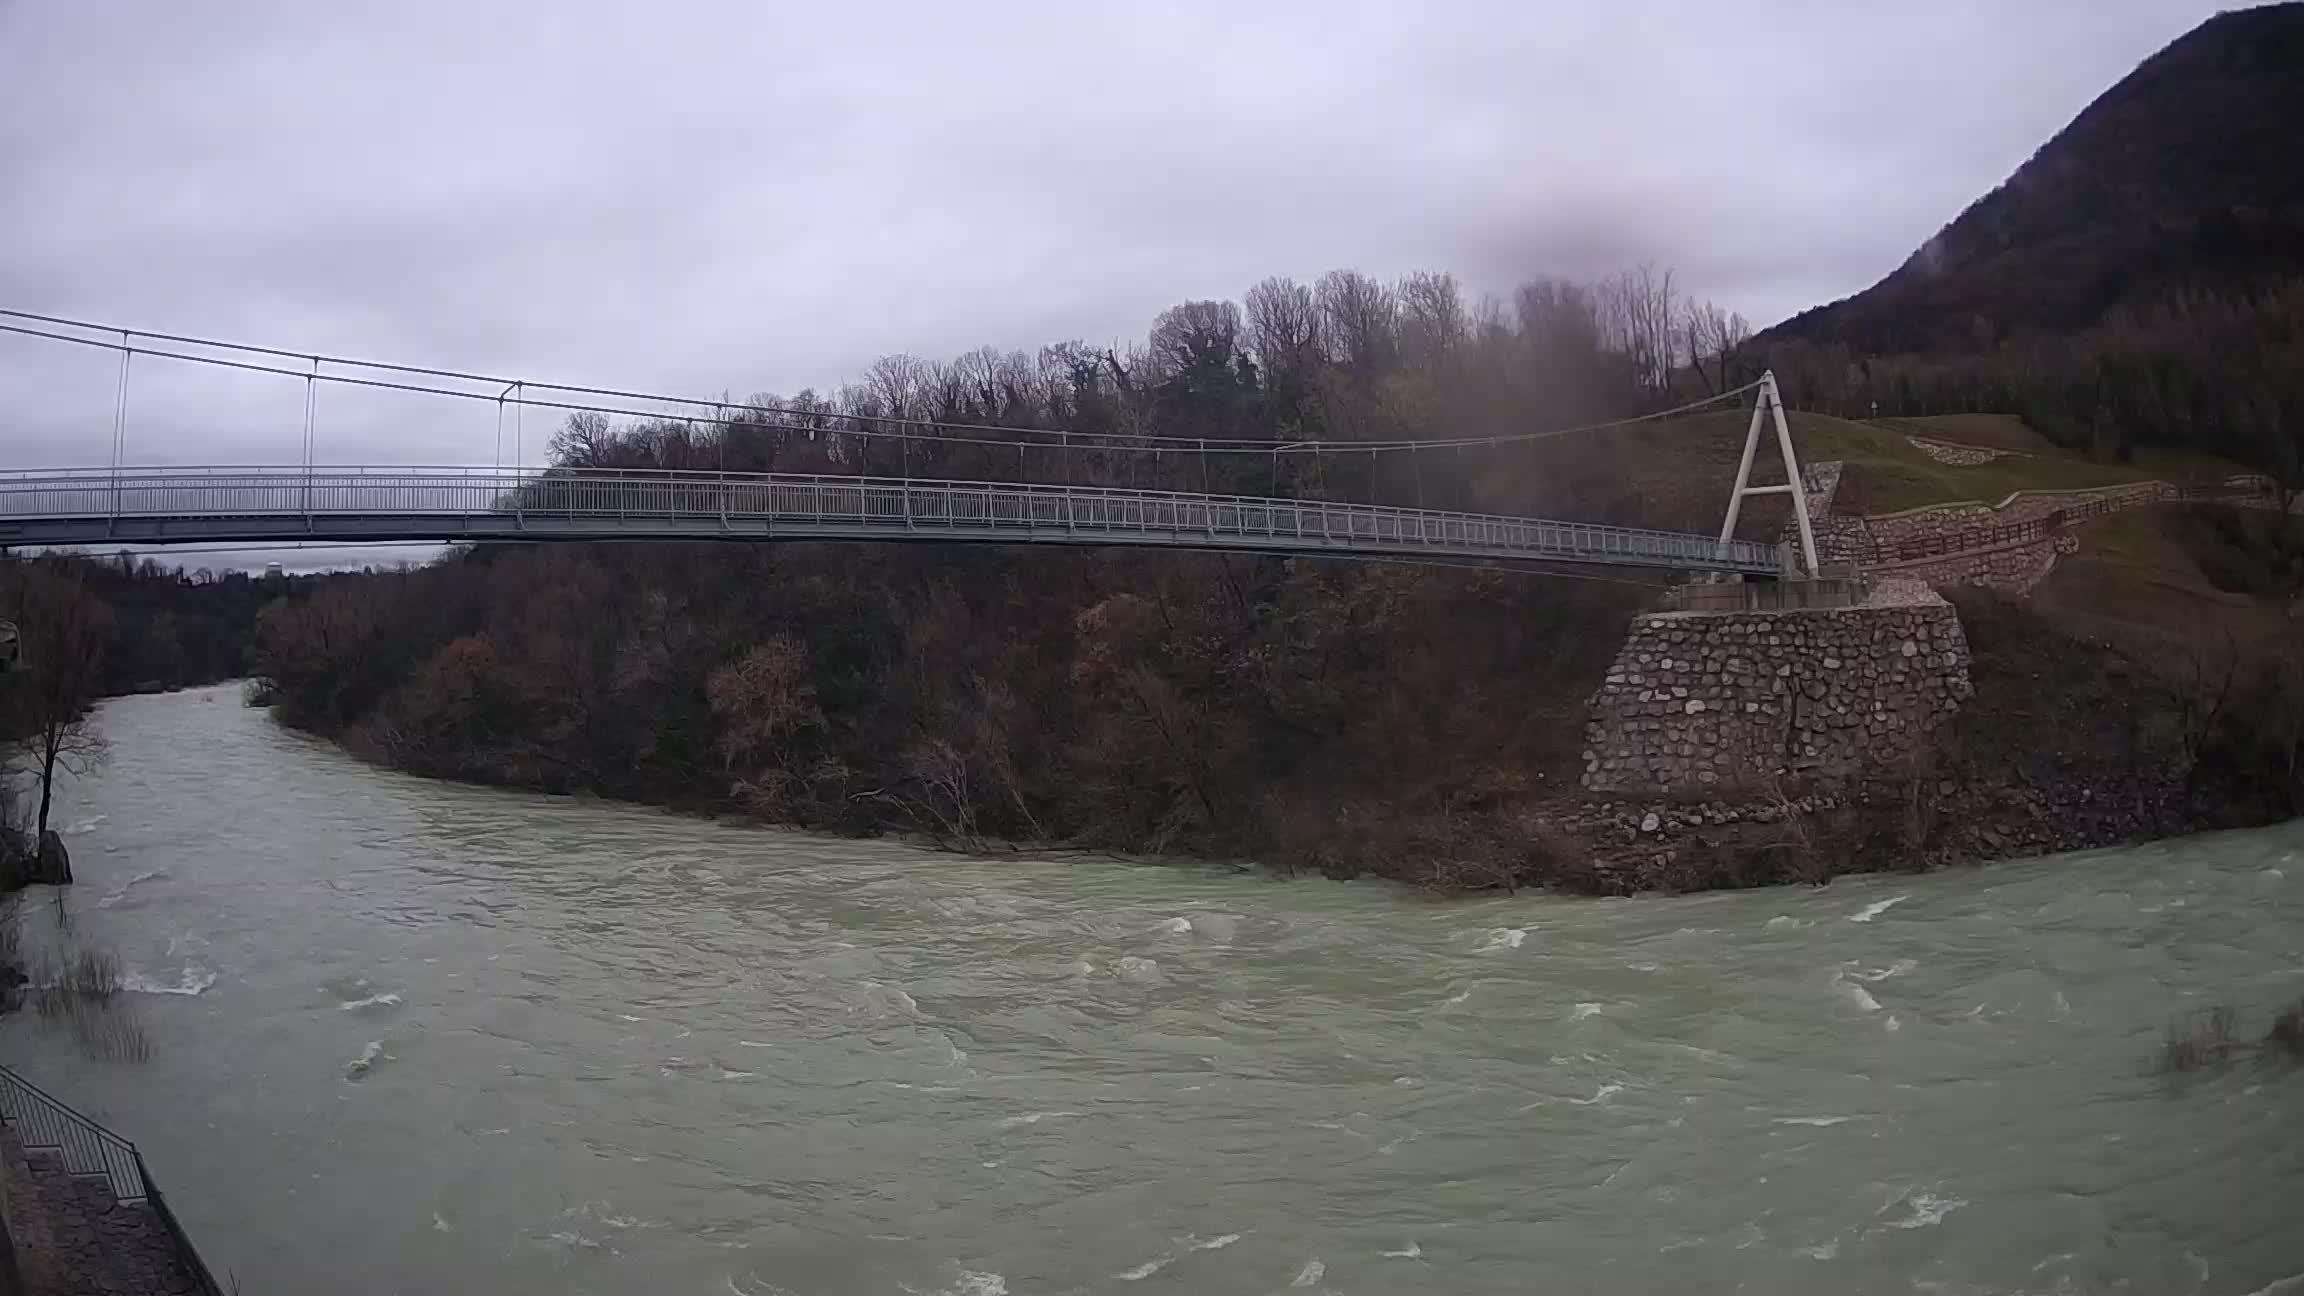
{"points": [[2200, 1040], [1322, 716], [2211, 1038], [1327, 716], [2287, 1034], [1332, 717]]}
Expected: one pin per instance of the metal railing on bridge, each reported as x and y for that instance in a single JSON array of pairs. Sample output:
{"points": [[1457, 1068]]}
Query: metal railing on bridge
{"points": [[163, 505]]}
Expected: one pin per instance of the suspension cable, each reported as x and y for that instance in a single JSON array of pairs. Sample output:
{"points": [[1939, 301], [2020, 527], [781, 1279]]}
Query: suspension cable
{"points": [[812, 422]]}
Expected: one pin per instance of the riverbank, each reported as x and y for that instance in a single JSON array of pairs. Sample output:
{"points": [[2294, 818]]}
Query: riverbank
{"points": [[1344, 720]]}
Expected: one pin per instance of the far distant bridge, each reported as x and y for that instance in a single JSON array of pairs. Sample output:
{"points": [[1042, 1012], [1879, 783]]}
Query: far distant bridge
{"points": [[274, 505]]}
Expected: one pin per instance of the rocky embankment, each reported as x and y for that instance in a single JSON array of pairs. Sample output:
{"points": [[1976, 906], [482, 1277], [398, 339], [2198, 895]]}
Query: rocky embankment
{"points": [[1912, 823]]}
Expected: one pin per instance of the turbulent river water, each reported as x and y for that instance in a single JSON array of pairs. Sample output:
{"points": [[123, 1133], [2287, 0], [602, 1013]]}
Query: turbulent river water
{"points": [[413, 1037]]}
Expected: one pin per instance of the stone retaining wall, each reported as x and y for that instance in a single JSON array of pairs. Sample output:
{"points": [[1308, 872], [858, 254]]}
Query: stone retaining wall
{"points": [[1841, 539], [1701, 703], [1955, 520], [2011, 567], [2015, 568], [2025, 506]]}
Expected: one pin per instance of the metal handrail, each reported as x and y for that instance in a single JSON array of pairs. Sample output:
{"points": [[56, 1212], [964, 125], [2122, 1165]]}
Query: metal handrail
{"points": [[635, 500], [42, 1123]]}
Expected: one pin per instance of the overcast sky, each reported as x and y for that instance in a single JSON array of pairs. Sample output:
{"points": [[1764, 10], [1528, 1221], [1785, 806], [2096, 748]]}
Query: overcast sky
{"points": [[716, 195]]}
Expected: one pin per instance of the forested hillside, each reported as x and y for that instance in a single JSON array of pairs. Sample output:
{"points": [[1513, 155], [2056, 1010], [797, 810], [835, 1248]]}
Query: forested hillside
{"points": [[158, 627], [1334, 715], [1406, 720], [2139, 281]]}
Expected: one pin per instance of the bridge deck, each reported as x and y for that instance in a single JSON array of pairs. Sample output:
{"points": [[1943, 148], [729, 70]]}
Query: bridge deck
{"points": [[155, 506]]}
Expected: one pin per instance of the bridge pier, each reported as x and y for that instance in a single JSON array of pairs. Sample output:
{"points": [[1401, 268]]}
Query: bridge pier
{"points": [[1738, 695]]}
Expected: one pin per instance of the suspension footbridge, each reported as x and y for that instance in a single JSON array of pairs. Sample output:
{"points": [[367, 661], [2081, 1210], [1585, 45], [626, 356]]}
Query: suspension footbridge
{"points": [[293, 504], [120, 504]]}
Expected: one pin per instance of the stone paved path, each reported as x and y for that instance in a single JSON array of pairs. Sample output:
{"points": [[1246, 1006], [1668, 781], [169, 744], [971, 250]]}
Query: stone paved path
{"points": [[73, 1238]]}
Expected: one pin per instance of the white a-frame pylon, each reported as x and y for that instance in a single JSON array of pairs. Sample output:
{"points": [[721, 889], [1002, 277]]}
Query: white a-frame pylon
{"points": [[1770, 406]]}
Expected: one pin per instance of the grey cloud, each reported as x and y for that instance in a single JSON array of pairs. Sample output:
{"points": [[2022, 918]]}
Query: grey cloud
{"points": [[720, 196]]}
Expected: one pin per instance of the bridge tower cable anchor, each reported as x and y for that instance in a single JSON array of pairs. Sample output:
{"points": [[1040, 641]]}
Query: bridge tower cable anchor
{"points": [[1770, 407]]}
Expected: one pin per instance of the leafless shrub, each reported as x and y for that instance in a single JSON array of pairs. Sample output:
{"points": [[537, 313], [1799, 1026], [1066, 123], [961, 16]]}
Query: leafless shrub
{"points": [[80, 993], [1920, 811], [18, 843], [2286, 1038], [1461, 864], [950, 801], [1805, 849], [107, 1032], [82, 977], [11, 937], [1560, 859], [2199, 1040], [12, 975]]}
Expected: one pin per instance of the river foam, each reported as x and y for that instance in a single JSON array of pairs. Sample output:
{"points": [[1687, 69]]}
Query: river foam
{"points": [[189, 982], [1876, 908], [370, 1054], [120, 893]]}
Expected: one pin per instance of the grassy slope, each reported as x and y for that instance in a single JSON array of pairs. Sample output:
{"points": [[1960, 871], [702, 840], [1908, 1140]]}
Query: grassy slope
{"points": [[2131, 583], [1886, 472], [1676, 472], [2134, 584]]}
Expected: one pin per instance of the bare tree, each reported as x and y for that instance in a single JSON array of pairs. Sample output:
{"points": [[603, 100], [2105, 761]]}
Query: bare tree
{"points": [[944, 775], [902, 386], [1712, 340], [63, 629], [586, 440], [1196, 336], [1639, 308], [2209, 677], [1359, 322], [1563, 361], [1560, 320], [1433, 322], [1081, 390], [763, 701], [1284, 330]]}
